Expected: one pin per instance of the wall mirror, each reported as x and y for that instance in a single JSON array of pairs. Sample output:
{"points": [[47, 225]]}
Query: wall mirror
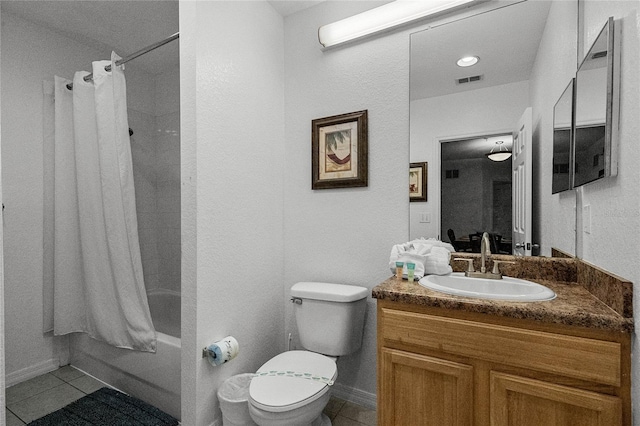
{"points": [[562, 140], [597, 104], [452, 103]]}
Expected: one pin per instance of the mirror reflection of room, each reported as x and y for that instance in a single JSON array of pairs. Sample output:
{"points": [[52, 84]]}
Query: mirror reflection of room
{"points": [[476, 193], [488, 97]]}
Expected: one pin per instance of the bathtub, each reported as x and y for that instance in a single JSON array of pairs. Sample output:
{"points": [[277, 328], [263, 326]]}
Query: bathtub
{"points": [[152, 377]]}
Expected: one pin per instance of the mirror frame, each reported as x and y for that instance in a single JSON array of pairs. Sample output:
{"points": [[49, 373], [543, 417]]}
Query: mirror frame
{"points": [[612, 104], [559, 124]]}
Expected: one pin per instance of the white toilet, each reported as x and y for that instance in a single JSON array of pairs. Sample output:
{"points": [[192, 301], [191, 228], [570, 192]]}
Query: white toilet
{"points": [[293, 388]]}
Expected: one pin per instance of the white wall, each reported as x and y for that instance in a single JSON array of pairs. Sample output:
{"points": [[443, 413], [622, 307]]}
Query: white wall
{"points": [[22, 74], [615, 202], [478, 112], [232, 104], [2, 319], [553, 69], [345, 235], [188, 269]]}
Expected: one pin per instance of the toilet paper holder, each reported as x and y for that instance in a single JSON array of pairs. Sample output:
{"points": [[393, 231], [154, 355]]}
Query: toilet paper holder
{"points": [[221, 351]]}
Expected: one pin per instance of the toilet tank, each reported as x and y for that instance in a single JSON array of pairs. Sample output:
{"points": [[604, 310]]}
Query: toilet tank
{"points": [[330, 317]]}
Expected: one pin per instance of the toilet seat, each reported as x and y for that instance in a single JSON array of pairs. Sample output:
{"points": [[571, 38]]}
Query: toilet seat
{"points": [[284, 386]]}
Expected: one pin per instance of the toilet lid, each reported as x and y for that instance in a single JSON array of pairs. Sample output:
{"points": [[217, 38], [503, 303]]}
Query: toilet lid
{"points": [[291, 380]]}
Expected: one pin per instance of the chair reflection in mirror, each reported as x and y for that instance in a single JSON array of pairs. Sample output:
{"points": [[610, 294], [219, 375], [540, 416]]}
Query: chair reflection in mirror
{"points": [[458, 245], [475, 240]]}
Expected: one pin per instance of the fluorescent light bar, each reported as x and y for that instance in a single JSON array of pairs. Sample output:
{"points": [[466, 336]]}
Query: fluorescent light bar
{"points": [[382, 18]]}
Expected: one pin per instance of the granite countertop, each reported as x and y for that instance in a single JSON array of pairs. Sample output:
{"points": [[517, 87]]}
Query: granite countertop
{"points": [[573, 306]]}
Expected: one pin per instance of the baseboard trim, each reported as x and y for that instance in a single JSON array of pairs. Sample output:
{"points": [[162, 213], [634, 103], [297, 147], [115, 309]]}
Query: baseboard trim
{"points": [[357, 396], [31, 372]]}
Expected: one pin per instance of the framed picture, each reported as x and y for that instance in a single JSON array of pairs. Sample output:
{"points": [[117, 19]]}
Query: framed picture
{"points": [[418, 181], [339, 146]]}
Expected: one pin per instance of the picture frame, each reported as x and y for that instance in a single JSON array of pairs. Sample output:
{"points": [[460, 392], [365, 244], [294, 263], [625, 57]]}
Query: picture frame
{"points": [[418, 182], [339, 151]]}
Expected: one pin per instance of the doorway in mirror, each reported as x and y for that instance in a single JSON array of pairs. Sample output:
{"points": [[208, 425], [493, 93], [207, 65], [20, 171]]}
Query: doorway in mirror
{"points": [[476, 191]]}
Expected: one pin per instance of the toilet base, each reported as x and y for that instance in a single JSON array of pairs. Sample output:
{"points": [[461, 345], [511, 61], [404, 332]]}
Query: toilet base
{"points": [[321, 420], [306, 415]]}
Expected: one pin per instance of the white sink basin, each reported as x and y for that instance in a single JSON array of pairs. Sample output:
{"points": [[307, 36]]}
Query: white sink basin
{"points": [[511, 289]]}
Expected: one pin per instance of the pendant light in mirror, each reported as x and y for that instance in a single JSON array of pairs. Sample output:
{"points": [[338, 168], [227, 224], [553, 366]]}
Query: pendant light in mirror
{"points": [[501, 154]]}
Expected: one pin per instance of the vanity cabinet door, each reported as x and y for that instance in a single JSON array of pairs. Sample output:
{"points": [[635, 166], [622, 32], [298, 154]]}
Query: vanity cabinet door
{"points": [[424, 391], [527, 402]]}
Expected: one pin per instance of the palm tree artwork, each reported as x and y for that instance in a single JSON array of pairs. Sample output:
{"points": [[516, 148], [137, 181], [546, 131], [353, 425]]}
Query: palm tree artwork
{"points": [[413, 181], [418, 181], [338, 151]]}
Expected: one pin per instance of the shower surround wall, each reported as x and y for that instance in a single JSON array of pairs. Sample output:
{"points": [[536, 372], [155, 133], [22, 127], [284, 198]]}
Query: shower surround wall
{"points": [[155, 147], [168, 178]]}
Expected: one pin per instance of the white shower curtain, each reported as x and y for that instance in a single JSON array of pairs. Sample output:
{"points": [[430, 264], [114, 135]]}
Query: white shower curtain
{"points": [[93, 269]]}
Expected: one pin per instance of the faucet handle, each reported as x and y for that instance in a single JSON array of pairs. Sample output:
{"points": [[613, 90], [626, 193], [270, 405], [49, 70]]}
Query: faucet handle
{"points": [[496, 266], [470, 267]]}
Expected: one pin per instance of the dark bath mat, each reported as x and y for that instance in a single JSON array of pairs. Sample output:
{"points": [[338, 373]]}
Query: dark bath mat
{"points": [[107, 407]]}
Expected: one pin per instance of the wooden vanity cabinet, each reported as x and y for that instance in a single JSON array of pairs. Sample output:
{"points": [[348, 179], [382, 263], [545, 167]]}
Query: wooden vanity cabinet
{"points": [[444, 367]]}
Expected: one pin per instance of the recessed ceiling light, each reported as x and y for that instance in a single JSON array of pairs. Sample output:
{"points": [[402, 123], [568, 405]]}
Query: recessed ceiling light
{"points": [[467, 61]]}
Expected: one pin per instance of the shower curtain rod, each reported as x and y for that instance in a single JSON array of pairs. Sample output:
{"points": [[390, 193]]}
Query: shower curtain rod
{"points": [[134, 55]]}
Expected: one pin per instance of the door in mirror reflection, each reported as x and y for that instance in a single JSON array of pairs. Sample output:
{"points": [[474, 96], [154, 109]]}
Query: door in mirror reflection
{"points": [[522, 185]]}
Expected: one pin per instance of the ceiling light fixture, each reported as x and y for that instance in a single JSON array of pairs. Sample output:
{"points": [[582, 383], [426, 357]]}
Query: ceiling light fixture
{"points": [[382, 18], [501, 154], [467, 61]]}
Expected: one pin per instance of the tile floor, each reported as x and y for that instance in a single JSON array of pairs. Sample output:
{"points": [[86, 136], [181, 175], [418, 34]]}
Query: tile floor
{"points": [[45, 394], [344, 413]]}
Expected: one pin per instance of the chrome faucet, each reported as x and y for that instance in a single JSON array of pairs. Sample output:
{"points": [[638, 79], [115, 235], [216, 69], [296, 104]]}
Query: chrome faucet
{"points": [[485, 250]]}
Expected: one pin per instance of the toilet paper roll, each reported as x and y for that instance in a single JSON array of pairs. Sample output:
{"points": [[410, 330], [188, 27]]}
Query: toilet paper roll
{"points": [[222, 351]]}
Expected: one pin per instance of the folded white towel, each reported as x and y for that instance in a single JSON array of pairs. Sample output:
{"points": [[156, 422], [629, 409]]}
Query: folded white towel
{"points": [[438, 262], [430, 257], [433, 242]]}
